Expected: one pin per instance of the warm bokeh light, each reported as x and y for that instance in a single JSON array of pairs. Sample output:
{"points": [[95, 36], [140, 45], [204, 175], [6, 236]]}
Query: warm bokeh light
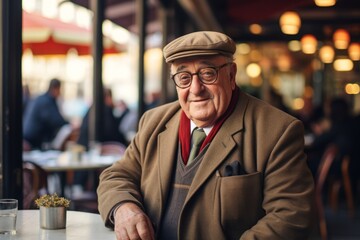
{"points": [[343, 64], [243, 48], [255, 29], [326, 54], [325, 3], [298, 103], [352, 88], [294, 45], [253, 70], [290, 23], [308, 92], [284, 63], [341, 39], [354, 51], [308, 44]]}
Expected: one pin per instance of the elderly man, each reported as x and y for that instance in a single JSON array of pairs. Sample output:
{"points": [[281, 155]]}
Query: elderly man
{"points": [[247, 180]]}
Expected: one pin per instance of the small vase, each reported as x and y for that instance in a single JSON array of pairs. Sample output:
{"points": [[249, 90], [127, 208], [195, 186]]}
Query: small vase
{"points": [[52, 217]]}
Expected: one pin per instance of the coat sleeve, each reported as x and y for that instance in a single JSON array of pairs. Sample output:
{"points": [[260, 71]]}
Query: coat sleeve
{"points": [[288, 191], [121, 181]]}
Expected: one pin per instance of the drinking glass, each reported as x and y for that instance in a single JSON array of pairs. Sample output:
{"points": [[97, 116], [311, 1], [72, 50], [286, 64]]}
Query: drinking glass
{"points": [[8, 213]]}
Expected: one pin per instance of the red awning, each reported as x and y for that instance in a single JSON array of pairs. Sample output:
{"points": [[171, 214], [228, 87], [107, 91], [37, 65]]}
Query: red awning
{"points": [[46, 36]]}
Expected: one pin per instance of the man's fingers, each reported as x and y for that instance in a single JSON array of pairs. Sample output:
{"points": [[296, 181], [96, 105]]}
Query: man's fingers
{"points": [[145, 230], [131, 223]]}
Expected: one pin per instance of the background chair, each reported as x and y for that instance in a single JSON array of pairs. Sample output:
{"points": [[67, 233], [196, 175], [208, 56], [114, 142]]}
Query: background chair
{"points": [[112, 148], [34, 183], [334, 186]]}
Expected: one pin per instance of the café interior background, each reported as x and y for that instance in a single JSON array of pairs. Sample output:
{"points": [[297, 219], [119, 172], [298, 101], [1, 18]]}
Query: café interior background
{"points": [[300, 70]]}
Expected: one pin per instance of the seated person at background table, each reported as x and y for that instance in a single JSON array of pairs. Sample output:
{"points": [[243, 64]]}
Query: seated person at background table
{"points": [[110, 133], [250, 179], [42, 118]]}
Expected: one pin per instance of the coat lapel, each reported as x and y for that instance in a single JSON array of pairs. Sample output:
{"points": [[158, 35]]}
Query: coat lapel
{"points": [[167, 154], [221, 146]]}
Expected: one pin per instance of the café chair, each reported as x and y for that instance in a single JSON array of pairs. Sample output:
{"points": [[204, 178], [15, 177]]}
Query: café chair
{"points": [[345, 182], [322, 177], [112, 148], [34, 183]]}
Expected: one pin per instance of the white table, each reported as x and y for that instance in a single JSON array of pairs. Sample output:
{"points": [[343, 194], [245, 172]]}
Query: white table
{"points": [[54, 161], [57, 161], [79, 225]]}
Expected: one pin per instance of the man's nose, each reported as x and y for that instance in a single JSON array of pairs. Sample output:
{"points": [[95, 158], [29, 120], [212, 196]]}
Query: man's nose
{"points": [[196, 84]]}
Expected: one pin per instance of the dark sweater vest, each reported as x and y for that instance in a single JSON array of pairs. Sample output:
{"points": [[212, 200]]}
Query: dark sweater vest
{"points": [[180, 188]]}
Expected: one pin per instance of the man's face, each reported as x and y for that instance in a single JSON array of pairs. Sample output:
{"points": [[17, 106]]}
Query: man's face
{"points": [[202, 103]]}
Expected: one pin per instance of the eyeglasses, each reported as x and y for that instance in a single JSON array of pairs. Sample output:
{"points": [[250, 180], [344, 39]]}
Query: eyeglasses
{"points": [[206, 75]]}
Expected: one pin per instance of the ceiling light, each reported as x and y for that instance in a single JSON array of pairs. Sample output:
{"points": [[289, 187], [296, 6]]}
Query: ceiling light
{"points": [[341, 39], [255, 29], [352, 88], [308, 44], [343, 65], [325, 3], [290, 23], [326, 54], [354, 51]]}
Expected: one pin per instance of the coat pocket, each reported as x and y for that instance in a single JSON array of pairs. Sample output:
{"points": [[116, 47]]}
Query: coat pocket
{"points": [[240, 199]]}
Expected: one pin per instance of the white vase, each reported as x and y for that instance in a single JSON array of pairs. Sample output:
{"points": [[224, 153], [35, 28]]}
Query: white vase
{"points": [[52, 217]]}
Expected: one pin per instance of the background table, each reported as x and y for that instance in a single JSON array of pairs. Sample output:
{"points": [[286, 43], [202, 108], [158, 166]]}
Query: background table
{"points": [[64, 164], [79, 225], [54, 161]]}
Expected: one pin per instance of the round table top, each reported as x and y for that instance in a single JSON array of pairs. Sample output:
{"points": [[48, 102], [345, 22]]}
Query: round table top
{"points": [[79, 225], [54, 161]]}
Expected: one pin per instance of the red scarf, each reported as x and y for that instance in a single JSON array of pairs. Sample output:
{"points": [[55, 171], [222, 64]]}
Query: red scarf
{"points": [[184, 129]]}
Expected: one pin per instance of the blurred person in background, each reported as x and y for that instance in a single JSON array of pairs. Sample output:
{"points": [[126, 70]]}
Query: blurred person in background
{"points": [[316, 139], [127, 118], [42, 119], [110, 133]]}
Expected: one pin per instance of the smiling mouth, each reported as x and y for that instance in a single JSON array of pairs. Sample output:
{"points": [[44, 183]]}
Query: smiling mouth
{"points": [[199, 100]]}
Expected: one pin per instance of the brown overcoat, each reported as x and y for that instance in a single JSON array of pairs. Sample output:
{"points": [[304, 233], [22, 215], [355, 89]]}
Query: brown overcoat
{"points": [[272, 201]]}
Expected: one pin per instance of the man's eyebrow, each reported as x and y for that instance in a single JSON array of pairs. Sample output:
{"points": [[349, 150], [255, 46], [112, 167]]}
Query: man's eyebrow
{"points": [[207, 63]]}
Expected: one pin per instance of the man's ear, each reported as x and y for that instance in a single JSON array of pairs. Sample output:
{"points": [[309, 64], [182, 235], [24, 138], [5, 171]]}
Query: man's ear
{"points": [[233, 70]]}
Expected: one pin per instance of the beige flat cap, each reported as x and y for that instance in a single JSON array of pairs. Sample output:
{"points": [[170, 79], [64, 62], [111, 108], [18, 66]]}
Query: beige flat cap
{"points": [[199, 43]]}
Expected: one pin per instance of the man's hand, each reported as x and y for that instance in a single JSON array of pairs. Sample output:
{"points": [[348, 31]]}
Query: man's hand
{"points": [[132, 223]]}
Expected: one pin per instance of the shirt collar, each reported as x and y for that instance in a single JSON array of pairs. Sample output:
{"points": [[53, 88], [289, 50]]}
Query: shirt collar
{"points": [[193, 126]]}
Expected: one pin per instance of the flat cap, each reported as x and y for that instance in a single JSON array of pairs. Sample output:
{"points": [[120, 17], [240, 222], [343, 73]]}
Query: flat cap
{"points": [[199, 43]]}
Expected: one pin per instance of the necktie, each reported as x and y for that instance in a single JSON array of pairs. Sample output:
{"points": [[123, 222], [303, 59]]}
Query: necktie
{"points": [[197, 138]]}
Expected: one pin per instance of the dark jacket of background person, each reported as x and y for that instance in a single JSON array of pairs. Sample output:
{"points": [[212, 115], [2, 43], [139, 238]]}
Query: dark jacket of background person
{"points": [[110, 130], [219, 207], [42, 118]]}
